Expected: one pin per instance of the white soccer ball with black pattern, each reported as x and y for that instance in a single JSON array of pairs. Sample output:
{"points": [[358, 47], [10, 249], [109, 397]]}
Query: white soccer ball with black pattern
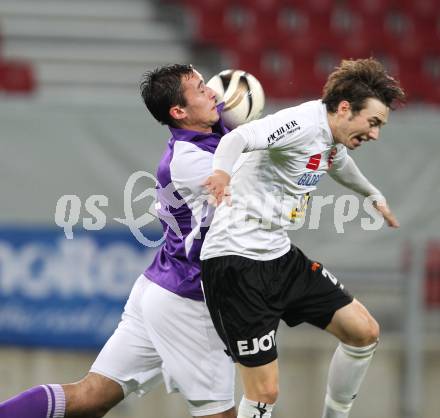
{"points": [[243, 96]]}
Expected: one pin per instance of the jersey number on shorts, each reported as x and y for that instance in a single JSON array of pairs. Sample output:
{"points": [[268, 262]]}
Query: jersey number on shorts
{"points": [[330, 276]]}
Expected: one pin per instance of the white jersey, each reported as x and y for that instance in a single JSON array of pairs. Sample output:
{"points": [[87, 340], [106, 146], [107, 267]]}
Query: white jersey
{"points": [[270, 187]]}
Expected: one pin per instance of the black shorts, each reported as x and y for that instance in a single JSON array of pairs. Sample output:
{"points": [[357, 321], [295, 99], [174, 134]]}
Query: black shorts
{"points": [[247, 298]]}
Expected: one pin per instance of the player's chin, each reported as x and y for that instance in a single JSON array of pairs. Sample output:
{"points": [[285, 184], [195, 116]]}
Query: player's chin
{"points": [[355, 143], [215, 119]]}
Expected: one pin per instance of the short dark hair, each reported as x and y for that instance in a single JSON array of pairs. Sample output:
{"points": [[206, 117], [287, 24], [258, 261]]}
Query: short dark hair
{"points": [[358, 80], [161, 89]]}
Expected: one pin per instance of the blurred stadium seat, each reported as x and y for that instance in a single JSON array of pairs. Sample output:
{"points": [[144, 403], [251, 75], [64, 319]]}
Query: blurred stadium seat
{"points": [[372, 8], [297, 42], [16, 77], [432, 275]]}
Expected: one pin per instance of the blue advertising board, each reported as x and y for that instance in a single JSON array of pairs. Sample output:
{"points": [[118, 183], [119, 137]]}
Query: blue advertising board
{"points": [[56, 292]]}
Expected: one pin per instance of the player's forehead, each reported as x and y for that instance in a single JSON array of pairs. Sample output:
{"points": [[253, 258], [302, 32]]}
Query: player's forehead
{"points": [[374, 108], [191, 80]]}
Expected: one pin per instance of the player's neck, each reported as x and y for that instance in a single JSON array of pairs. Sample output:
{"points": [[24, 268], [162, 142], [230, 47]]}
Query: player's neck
{"points": [[197, 128], [332, 123]]}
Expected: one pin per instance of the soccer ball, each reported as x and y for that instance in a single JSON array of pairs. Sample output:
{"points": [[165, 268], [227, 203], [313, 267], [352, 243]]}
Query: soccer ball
{"points": [[242, 93]]}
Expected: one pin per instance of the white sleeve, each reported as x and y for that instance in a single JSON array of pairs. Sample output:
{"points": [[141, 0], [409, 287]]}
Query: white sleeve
{"points": [[273, 131], [189, 168], [228, 151], [350, 176]]}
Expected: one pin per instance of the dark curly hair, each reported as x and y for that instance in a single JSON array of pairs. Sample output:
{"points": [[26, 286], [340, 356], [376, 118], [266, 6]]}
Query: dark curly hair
{"points": [[360, 79], [161, 89]]}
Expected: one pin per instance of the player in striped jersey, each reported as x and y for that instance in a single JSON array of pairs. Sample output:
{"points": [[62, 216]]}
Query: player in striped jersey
{"points": [[166, 333], [252, 275]]}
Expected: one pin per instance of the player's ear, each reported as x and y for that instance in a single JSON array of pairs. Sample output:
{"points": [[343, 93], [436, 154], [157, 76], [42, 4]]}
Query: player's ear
{"points": [[344, 107], [177, 112]]}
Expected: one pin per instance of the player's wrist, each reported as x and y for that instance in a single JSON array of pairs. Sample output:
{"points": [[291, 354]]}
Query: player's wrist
{"points": [[377, 199], [222, 173]]}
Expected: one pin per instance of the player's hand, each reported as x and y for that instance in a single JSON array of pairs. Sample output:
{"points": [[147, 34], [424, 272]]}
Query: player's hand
{"points": [[389, 216], [218, 186]]}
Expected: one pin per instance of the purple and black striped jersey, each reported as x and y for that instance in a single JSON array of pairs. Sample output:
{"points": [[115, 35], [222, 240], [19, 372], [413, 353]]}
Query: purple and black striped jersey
{"points": [[183, 210]]}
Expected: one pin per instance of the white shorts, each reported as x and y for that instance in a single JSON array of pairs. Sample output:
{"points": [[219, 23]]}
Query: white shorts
{"points": [[165, 337]]}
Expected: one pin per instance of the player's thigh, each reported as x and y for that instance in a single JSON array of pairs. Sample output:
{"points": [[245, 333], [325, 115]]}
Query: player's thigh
{"points": [[129, 357], [260, 383], [194, 361], [354, 325], [236, 291], [313, 294], [94, 395]]}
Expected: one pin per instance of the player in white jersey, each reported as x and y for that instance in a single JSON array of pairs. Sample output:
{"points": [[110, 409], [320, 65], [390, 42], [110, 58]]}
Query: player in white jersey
{"points": [[166, 333], [252, 275]]}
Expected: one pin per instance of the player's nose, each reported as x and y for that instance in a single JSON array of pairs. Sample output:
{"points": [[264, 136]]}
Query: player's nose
{"points": [[374, 133], [210, 92]]}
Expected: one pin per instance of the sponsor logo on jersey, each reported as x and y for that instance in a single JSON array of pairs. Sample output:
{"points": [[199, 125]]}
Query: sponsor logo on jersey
{"points": [[309, 179], [282, 131], [314, 161], [301, 207], [331, 157], [255, 345]]}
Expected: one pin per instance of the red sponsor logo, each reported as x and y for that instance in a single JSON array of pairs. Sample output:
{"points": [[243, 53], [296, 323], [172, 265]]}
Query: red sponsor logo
{"points": [[331, 156], [315, 266], [314, 161]]}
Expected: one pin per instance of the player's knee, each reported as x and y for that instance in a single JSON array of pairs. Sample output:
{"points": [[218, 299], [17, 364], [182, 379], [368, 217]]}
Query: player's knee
{"points": [[367, 333], [370, 333], [374, 331], [267, 393]]}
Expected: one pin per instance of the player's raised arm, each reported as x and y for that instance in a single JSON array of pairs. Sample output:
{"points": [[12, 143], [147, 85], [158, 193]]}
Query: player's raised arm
{"points": [[226, 155], [278, 130], [349, 175], [245, 138]]}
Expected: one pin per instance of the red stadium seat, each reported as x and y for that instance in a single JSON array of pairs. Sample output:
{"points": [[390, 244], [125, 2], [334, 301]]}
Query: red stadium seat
{"points": [[276, 70], [314, 7], [372, 8], [16, 77], [411, 77], [264, 13], [421, 9], [395, 31], [301, 31], [208, 19], [349, 33], [430, 73], [357, 45], [432, 275], [226, 27], [292, 45], [266, 6], [211, 5]]}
